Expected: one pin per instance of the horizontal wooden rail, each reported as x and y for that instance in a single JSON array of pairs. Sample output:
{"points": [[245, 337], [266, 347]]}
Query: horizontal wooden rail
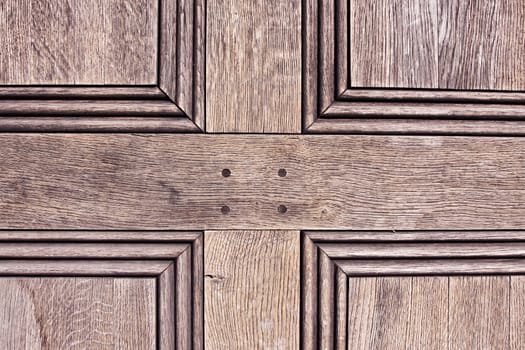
{"points": [[193, 181]]}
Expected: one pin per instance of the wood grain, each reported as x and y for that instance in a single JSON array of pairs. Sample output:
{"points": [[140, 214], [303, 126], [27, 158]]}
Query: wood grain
{"points": [[87, 42], [326, 316], [517, 303], [77, 313], [309, 296], [253, 66], [419, 250], [481, 45], [81, 93], [90, 250], [168, 67], [100, 236], [418, 126], [395, 303], [166, 309], [83, 267], [251, 289], [393, 43], [105, 108], [421, 95], [447, 111], [407, 236], [397, 313], [422, 267], [437, 44], [479, 312], [75, 181], [139, 124]]}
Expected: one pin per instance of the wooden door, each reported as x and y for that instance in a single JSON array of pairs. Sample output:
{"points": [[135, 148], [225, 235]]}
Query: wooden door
{"points": [[317, 174]]}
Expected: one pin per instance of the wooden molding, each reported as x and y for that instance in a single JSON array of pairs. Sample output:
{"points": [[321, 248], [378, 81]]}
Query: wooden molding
{"points": [[174, 104], [175, 260], [332, 105], [330, 258]]}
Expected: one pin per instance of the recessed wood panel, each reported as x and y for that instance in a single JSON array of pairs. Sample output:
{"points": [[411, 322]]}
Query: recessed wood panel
{"points": [[414, 67], [431, 297], [78, 42], [432, 313], [445, 44], [105, 66], [479, 312], [75, 313], [131, 290], [393, 43], [481, 44], [397, 313]]}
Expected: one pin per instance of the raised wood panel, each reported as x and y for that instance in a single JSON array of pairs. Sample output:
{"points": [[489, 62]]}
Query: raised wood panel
{"points": [[252, 289], [106, 66], [332, 182], [253, 81], [346, 306], [78, 42], [77, 313], [82, 289], [413, 67]]}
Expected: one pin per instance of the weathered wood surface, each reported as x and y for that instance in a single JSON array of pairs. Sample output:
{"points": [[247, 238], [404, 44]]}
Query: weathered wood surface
{"points": [[446, 44], [393, 43], [479, 312], [79, 42], [251, 289], [253, 66], [434, 312], [75, 181], [77, 313], [397, 313], [481, 45]]}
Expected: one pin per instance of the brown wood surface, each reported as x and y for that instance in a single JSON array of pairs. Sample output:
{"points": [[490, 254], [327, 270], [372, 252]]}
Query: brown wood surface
{"points": [[517, 305], [181, 57], [79, 42], [391, 301], [173, 259], [446, 44], [96, 124], [397, 313], [479, 312], [252, 289], [481, 45], [77, 313], [432, 313], [75, 181], [418, 126], [419, 236], [378, 267], [253, 80], [364, 79], [393, 43], [419, 250], [448, 111]]}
